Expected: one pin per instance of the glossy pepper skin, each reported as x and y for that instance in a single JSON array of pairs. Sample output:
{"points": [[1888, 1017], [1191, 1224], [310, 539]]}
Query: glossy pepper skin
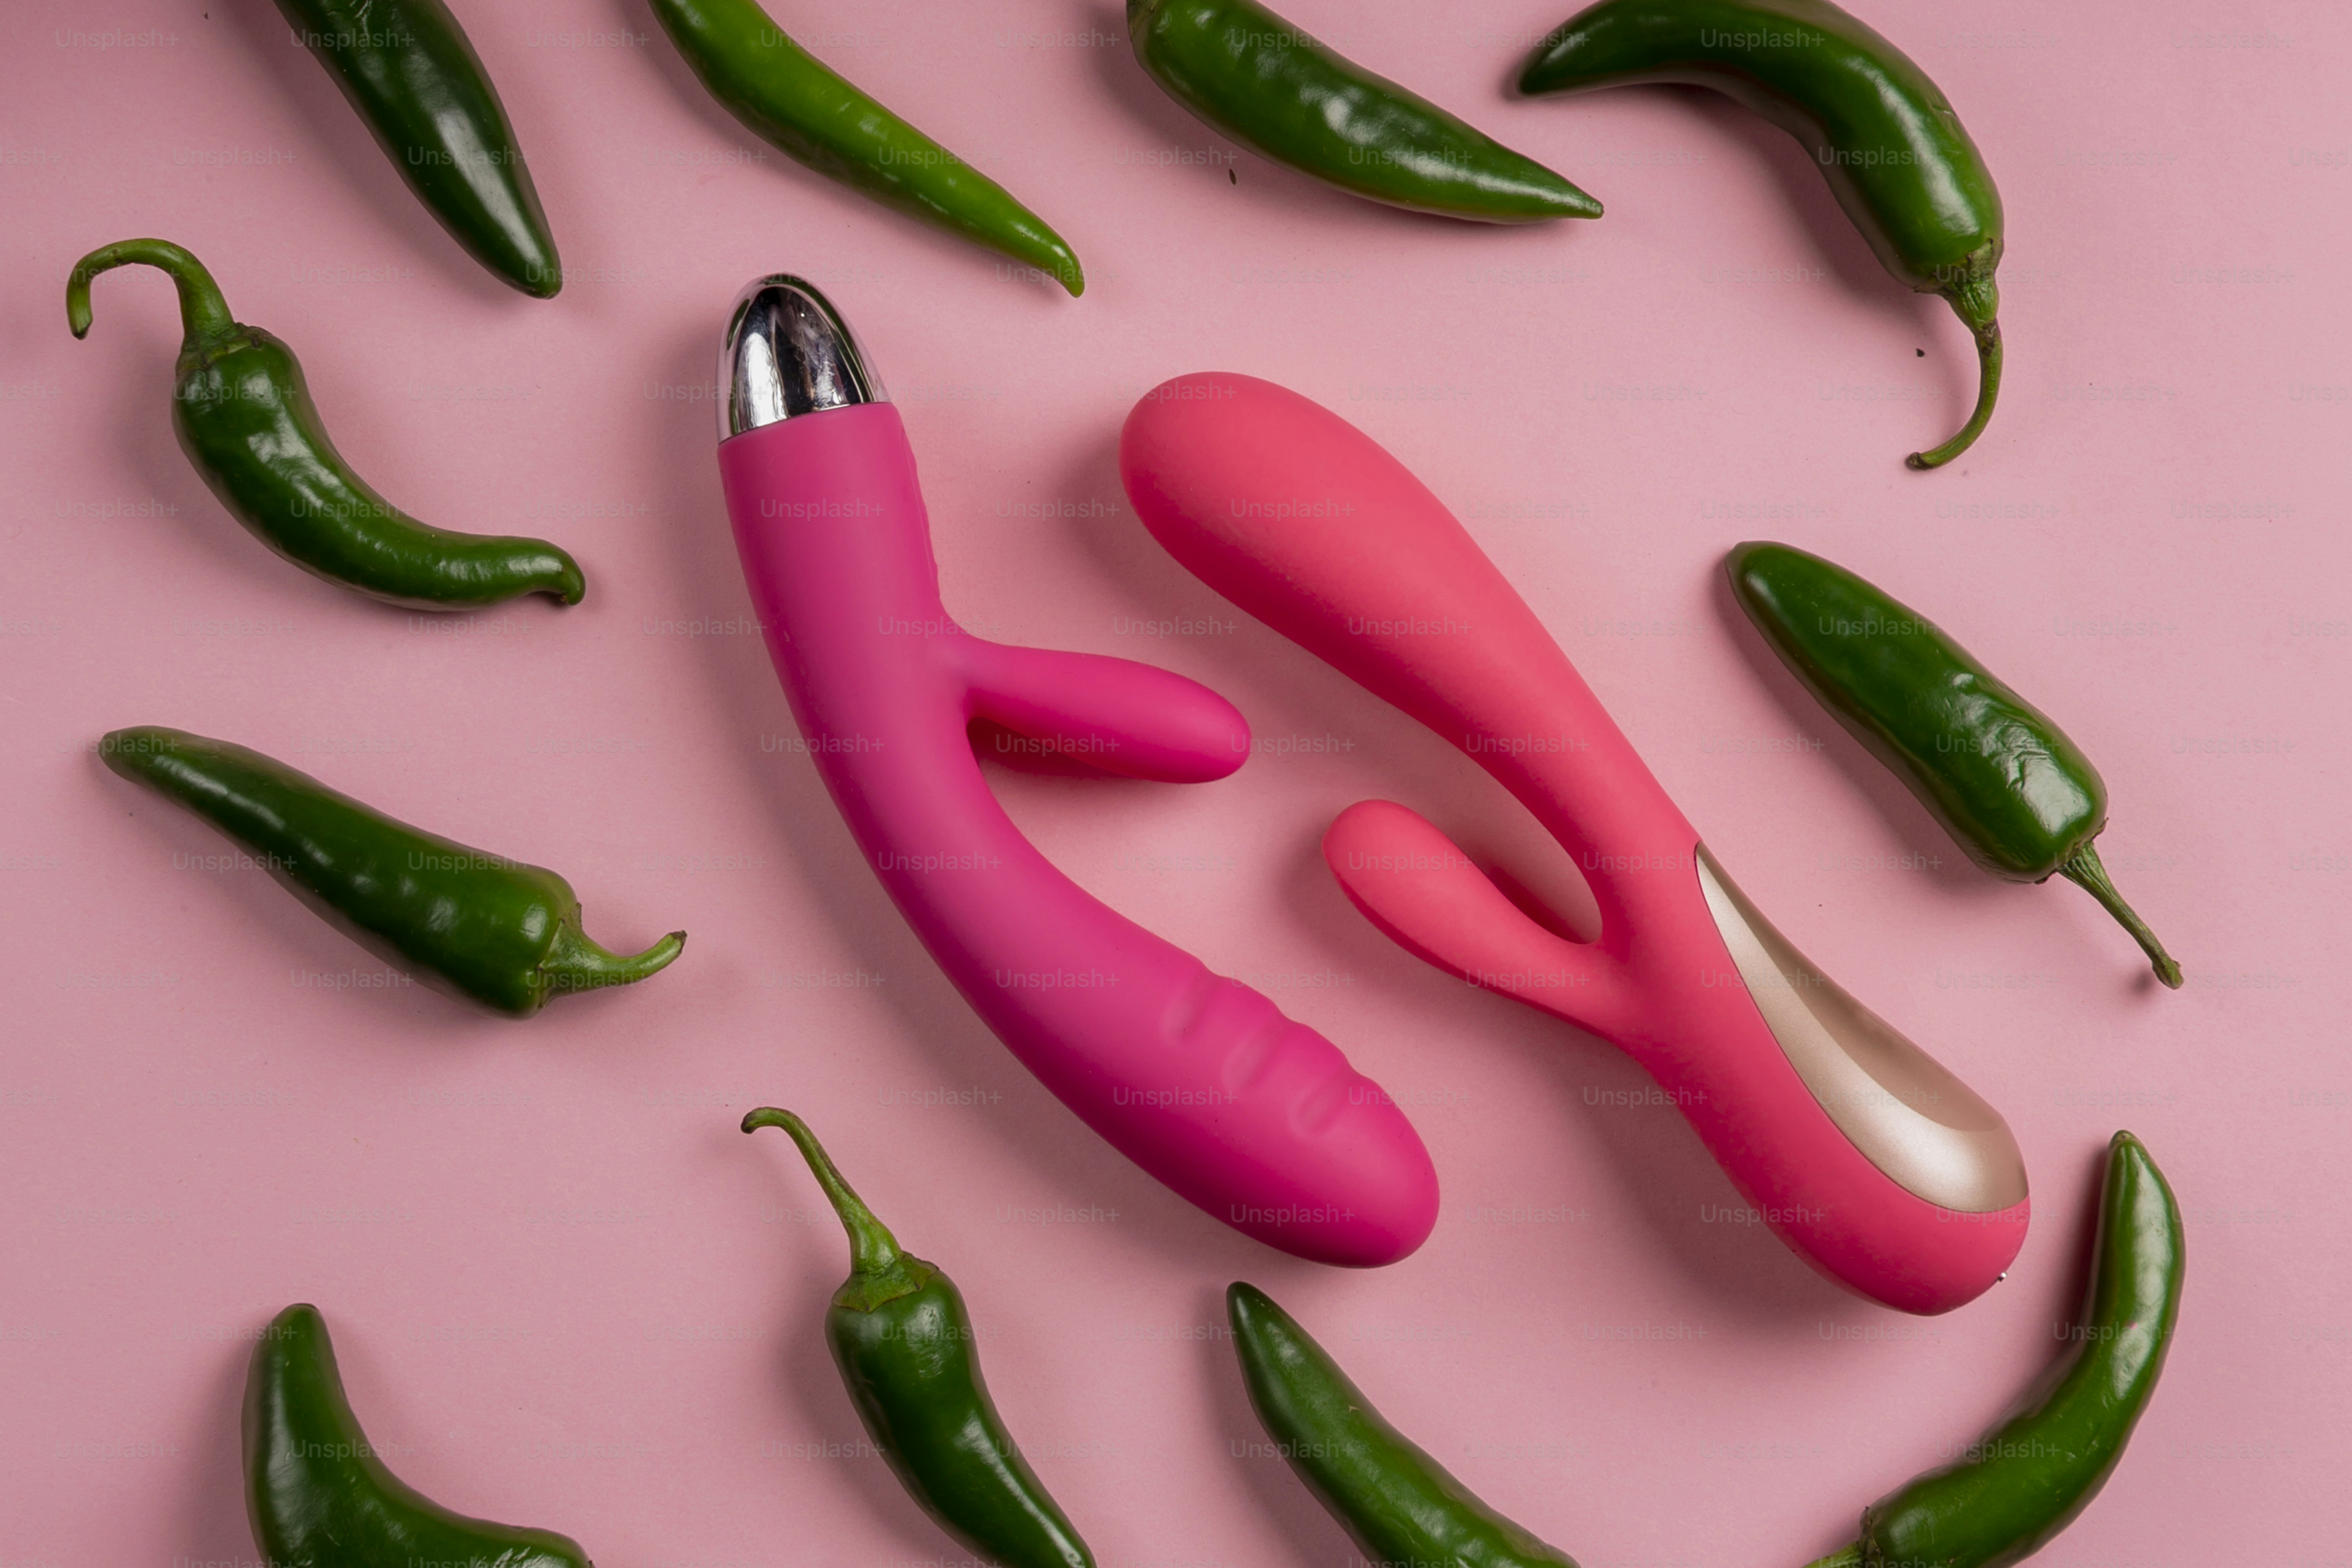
{"points": [[411, 72], [244, 417], [2012, 1491], [2006, 782], [903, 1340], [473, 924], [1881, 133], [1398, 1503], [319, 1494], [796, 103], [1257, 78]]}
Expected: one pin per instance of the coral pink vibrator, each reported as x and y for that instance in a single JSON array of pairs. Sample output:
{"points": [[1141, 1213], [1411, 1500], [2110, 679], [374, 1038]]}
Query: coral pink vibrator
{"points": [[1862, 1152]]}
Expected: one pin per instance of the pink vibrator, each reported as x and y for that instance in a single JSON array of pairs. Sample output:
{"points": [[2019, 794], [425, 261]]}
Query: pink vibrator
{"points": [[1197, 1079], [1869, 1158]]}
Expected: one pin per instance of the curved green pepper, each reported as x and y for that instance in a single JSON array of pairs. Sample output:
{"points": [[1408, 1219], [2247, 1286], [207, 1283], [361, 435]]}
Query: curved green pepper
{"points": [[1399, 1504], [1881, 133], [903, 1341], [1257, 78], [319, 1494], [244, 419], [2012, 1491], [2006, 782], [413, 75], [473, 924], [795, 103]]}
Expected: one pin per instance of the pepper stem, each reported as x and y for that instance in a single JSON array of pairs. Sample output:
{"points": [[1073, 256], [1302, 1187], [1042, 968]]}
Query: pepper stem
{"points": [[203, 312], [1977, 303], [872, 1249], [576, 962], [1848, 1556], [2083, 869]]}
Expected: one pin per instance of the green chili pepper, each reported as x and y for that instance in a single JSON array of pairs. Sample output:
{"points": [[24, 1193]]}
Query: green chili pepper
{"points": [[318, 1493], [1262, 81], [1882, 134], [470, 923], [2005, 781], [794, 102], [411, 74], [903, 1341], [1400, 1505], [2013, 1491], [244, 417]]}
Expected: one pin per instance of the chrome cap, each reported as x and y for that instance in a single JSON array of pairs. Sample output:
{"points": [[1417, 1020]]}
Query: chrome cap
{"points": [[788, 352]]}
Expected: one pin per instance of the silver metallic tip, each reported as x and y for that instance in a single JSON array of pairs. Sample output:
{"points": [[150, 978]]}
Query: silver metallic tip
{"points": [[788, 352]]}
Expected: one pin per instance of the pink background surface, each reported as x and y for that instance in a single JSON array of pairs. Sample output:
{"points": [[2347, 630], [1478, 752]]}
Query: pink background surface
{"points": [[567, 1292]]}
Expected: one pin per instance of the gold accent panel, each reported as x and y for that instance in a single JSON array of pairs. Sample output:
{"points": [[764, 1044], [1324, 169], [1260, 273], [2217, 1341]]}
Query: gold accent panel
{"points": [[1901, 1107]]}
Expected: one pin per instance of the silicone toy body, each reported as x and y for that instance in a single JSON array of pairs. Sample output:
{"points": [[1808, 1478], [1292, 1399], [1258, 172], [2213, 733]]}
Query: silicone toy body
{"points": [[1304, 521], [1201, 1081]]}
